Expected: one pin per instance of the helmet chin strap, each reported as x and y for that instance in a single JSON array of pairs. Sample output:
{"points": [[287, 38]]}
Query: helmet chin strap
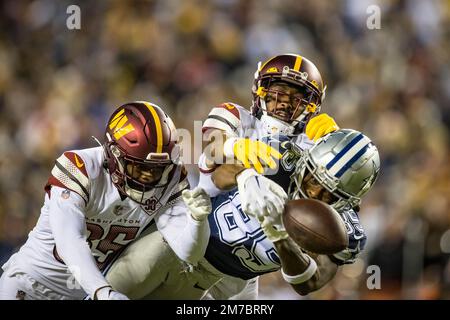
{"points": [[274, 125]]}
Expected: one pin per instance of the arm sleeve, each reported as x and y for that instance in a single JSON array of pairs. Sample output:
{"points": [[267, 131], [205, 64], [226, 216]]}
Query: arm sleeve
{"points": [[69, 230], [187, 237], [205, 178]]}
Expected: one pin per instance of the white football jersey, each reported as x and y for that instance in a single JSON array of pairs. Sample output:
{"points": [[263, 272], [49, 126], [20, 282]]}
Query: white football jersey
{"points": [[112, 219]]}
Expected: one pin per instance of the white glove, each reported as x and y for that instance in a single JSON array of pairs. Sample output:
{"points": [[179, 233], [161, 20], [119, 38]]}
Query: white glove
{"points": [[107, 293], [198, 203], [114, 295], [273, 232], [260, 196]]}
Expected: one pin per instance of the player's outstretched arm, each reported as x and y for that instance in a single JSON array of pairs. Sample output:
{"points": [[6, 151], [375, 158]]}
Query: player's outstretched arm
{"points": [[68, 225], [185, 225], [305, 272]]}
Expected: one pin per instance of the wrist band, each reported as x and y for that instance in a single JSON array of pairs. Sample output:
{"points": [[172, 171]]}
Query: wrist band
{"points": [[228, 151], [305, 276]]}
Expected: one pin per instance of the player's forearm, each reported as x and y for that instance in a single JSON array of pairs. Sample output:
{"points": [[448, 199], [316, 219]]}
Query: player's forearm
{"points": [[224, 177], [191, 244], [214, 150], [187, 237], [68, 225], [77, 255], [326, 270], [295, 262], [213, 159]]}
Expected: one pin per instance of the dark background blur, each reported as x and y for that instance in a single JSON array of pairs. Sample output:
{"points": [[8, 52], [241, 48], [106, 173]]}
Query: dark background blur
{"points": [[58, 87]]}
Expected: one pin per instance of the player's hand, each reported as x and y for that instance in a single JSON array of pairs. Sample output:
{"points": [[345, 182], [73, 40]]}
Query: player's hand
{"points": [[319, 126], [107, 293], [273, 232], [198, 202], [260, 196], [251, 153]]}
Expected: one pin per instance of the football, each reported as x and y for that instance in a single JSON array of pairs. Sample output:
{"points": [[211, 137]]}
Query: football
{"points": [[315, 226]]}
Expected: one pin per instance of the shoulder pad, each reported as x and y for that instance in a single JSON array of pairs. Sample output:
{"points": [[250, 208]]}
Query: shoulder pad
{"points": [[224, 117], [70, 172]]}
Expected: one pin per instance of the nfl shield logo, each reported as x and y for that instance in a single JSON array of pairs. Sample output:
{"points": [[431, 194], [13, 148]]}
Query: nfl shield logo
{"points": [[65, 194]]}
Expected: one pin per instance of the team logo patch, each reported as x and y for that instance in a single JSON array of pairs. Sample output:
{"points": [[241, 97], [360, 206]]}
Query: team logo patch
{"points": [[65, 194], [79, 164], [229, 106]]}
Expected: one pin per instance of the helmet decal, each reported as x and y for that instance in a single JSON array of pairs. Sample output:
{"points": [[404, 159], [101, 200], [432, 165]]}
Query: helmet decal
{"points": [[348, 156], [117, 125]]}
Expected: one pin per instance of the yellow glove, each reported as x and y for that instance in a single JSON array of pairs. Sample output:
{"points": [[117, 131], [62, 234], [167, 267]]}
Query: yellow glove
{"points": [[319, 126], [251, 153]]}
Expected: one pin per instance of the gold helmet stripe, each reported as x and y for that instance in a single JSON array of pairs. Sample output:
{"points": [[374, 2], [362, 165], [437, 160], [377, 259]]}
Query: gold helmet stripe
{"points": [[159, 134], [298, 63]]}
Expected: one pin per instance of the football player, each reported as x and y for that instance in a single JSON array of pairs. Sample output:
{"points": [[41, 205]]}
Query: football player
{"points": [[97, 201], [288, 91], [339, 170]]}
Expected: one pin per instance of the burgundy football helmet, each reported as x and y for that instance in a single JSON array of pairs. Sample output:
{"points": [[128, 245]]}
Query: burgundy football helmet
{"points": [[294, 70], [140, 136]]}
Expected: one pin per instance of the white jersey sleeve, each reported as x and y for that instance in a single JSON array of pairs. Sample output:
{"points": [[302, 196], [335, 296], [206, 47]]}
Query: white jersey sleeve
{"points": [[225, 117], [205, 178], [70, 173], [67, 221], [187, 237], [235, 121]]}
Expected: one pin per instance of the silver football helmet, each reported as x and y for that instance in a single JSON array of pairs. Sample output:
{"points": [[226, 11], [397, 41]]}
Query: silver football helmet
{"points": [[344, 162]]}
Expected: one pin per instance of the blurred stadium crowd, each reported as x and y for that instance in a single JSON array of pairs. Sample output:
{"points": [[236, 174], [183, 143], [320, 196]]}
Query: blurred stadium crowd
{"points": [[58, 87]]}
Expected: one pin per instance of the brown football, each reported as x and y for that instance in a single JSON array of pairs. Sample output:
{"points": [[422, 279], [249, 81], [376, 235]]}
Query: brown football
{"points": [[315, 226]]}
